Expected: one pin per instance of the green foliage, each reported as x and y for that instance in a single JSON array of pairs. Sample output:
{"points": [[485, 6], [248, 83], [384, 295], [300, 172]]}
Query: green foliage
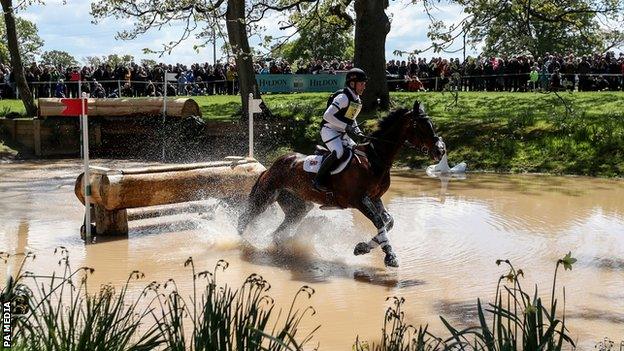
{"points": [[521, 132], [92, 61], [321, 35], [536, 27], [400, 336], [112, 60], [27, 37], [517, 321], [58, 58], [148, 62], [201, 19], [4, 53], [226, 319], [8, 106], [58, 313], [567, 261]]}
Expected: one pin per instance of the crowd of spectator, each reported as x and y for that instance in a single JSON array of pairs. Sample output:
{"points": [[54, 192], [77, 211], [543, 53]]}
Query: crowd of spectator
{"points": [[518, 73], [124, 80]]}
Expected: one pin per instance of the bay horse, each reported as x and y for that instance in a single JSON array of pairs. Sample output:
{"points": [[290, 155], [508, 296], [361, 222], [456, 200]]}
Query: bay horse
{"points": [[359, 186]]}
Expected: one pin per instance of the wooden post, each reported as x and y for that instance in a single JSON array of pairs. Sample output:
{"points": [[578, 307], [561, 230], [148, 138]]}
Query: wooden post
{"points": [[111, 222], [37, 136]]}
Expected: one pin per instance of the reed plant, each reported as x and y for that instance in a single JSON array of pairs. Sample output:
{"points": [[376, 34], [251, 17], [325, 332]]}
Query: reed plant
{"points": [[514, 321], [225, 319], [57, 312], [398, 335]]}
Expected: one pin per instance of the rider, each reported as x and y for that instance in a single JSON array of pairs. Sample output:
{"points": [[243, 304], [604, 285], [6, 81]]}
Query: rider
{"points": [[338, 120]]}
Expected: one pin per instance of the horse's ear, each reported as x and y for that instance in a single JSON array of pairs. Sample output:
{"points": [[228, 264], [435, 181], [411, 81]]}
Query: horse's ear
{"points": [[419, 110], [416, 107]]}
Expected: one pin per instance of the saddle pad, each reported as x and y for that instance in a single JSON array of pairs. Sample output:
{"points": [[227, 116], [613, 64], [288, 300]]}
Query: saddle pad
{"points": [[312, 163]]}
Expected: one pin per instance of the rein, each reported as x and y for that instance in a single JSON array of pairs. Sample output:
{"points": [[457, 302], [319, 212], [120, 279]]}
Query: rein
{"points": [[378, 139], [374, 138]]}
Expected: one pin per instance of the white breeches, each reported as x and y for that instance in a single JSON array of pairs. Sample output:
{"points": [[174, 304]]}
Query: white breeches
{"points": [[335, 140]]}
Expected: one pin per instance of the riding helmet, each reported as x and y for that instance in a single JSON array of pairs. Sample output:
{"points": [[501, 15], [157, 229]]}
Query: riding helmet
{"points": [[356, 75]]}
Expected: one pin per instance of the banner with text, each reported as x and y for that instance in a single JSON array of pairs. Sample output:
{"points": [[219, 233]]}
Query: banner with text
{"points": [[287, 83]]}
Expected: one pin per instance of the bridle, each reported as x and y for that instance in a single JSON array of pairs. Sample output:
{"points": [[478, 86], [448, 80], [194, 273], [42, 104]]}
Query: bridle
{"points": [[419, 118]]}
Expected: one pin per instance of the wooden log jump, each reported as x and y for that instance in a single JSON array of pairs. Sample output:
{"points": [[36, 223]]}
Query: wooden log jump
{"points": [[114, 190], [125, 107]]}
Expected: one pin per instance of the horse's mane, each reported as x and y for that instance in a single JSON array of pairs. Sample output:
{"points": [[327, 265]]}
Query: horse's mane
{"points": [[388, 121]]}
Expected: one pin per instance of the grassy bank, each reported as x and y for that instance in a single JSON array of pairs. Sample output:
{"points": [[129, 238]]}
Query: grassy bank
{"points": [[581, 133], [578, 133]]}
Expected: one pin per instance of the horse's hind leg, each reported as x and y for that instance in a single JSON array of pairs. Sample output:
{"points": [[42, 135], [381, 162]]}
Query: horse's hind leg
{"points": [[295, 209], [370, 208], [263, 194]]}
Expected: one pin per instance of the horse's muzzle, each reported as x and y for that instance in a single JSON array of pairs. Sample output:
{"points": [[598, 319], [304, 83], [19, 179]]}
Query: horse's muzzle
{"points": [[439, 150]]}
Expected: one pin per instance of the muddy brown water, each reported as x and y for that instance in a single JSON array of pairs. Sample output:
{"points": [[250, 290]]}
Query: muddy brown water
{"points": [[447, 235]]}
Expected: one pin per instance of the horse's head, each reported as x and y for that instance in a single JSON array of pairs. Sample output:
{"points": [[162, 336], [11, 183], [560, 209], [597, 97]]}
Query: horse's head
{"points": [[421, 133]]}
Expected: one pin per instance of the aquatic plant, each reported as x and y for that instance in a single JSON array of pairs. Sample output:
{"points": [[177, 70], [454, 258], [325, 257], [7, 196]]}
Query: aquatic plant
{"points": [[57, 312], [227, 319], [397, 335], [519, 321]]}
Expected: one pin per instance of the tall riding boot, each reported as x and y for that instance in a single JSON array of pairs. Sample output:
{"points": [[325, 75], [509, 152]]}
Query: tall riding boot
{"points": [[320, 182]]}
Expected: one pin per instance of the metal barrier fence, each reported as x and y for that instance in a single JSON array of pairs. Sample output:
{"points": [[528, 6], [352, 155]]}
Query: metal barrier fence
{"points": [[292, 83]]}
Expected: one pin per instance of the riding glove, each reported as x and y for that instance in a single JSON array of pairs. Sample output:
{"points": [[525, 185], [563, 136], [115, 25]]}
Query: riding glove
{"points": [[351, 129]]}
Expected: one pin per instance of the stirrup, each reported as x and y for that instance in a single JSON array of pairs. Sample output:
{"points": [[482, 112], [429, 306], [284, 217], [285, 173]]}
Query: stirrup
{"points": [[318, 186]]}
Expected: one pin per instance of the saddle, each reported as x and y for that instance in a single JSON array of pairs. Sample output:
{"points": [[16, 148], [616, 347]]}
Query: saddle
{"points": [[312, 163]]}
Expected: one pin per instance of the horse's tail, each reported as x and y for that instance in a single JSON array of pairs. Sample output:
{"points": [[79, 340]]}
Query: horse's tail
{"points": [[254, 188], [244, 218]]}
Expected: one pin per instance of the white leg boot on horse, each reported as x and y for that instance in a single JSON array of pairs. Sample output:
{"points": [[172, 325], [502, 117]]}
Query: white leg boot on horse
{"points": [[370, 209]]}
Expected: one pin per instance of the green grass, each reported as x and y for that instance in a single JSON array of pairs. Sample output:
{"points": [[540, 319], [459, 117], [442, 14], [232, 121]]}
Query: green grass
{"points": [[219, 107], [580, 133], [7, 106], [565, 133]]}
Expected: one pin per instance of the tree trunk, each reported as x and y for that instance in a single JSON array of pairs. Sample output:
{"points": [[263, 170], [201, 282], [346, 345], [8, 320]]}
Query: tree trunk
{"points": [[237, 37], [371, 27], [16, 58]]}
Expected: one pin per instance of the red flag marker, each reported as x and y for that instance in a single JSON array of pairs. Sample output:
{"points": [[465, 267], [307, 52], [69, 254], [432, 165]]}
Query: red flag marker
{"points": [[72, 107]]}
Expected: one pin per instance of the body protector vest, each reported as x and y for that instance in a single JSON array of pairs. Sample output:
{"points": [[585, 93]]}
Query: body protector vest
{"points": [[344, 114]]}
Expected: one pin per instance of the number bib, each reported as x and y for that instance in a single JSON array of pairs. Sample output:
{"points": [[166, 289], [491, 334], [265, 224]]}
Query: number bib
{"points": [[353, 110]]}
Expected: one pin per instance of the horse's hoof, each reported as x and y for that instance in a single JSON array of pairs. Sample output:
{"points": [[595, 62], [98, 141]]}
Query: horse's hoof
{"points": [[391, 260], [361, 249]]}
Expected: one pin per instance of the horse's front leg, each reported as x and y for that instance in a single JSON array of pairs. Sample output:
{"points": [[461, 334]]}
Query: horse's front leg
{"points": [[387, 218], [372, 212]]}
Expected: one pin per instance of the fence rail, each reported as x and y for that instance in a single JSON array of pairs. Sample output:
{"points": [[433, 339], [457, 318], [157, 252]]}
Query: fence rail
{"points": [[135, 88]]}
